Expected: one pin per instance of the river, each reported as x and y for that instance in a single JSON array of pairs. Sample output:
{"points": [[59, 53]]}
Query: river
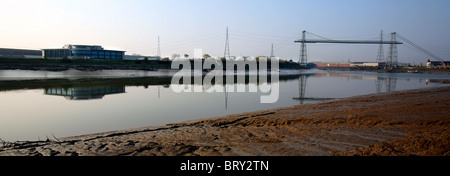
{"points": [[36, 105]]}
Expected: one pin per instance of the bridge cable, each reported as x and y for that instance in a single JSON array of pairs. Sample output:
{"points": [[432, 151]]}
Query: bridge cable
{"points": [[419, 48], [317, 36]]}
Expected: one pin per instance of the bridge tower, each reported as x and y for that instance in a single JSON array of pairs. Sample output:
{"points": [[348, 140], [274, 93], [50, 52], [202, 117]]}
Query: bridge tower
{"points": [[303, 60], [380, 56], [392, 60]]}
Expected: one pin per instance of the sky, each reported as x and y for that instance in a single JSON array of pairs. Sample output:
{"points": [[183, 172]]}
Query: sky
{"points": [[254, 25]]}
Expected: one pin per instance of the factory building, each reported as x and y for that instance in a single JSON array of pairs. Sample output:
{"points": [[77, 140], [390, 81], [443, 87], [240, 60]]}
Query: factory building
{"points": [[352, 64], [82, 52], [438, 63], [365, 64], [19, 53], [139, 57]]}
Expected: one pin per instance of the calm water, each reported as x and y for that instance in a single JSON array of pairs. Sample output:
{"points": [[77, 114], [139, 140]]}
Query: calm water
{"points": [[39, 104]]}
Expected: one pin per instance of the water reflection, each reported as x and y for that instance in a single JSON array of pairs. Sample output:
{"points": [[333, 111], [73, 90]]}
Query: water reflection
{"points": [[302, 88], [92, 89], [389, 80], [85, 93], [97, 88], [132, 102]]}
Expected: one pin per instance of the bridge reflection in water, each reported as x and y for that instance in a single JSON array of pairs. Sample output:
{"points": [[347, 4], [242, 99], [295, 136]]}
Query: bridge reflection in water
{"points": [[88, 91], [85, 93], [389, 81], [97, 88]]}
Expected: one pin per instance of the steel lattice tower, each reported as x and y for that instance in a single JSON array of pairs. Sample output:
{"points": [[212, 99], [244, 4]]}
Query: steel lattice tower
{"points": [[380, 56], [303, 61], [272, 54], [227, 48], [392, 60], [226, 56]]}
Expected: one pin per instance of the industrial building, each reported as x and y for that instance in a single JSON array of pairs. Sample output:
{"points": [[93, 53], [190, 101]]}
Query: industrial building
{"points": [[139, 57], [20, 53], [438, 63], [365, 64], [352, 64], [82, 52], [330, 64]]}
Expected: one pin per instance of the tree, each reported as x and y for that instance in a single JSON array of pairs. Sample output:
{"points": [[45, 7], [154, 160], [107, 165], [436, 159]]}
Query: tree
{"points": [[174, 56], [65, 59], [206, 56]]}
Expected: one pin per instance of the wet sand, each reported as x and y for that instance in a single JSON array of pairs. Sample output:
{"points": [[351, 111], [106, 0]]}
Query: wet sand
{"points": [[415, 122]]}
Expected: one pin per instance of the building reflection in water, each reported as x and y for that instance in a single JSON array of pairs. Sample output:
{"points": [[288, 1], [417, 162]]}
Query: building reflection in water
{"points": [[85, 93], [91, 89], [91, 92]]}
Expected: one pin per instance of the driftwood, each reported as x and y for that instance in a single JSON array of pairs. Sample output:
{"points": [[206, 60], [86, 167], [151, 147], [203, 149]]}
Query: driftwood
{"points": [[27, 144]]}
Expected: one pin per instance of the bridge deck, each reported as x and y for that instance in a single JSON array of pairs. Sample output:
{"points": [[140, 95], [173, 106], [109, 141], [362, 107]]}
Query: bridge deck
{"points": [[349, 41]]}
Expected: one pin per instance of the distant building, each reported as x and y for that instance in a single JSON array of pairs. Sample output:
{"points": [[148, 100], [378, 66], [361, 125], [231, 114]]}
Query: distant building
{"points": [[139, 57], [364, 64], [20, 53], [330, 64], [438, 63], [352, 64], [82, 52]]}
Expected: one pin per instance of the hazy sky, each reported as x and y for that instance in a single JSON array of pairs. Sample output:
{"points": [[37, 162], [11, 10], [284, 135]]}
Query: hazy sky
{"points": [[183, 25]]}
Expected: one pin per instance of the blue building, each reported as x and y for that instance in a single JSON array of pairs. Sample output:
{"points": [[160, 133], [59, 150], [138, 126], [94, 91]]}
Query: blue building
{"points": [[82, 52]]}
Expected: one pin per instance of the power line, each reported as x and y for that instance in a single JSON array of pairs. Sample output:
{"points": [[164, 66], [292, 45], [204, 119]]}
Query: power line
{"points": [[180, 45], [287, 42], [180, 42], [257, 34]]}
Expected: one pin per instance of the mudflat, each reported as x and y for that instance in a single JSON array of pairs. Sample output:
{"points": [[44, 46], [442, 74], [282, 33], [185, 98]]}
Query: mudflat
{"points": [[414, 122]]}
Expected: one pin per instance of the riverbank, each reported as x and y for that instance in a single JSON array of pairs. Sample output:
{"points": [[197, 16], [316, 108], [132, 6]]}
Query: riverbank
{"points": [[99, 64], [80, 64], [414, 122], [418, 70]]}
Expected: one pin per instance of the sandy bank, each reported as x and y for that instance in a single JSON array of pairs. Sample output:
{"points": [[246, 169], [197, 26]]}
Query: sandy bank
{"points": [[412, 122]]}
